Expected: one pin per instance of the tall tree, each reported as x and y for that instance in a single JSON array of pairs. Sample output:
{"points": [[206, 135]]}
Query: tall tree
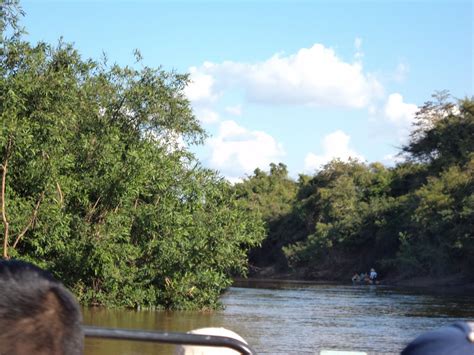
{"points": [[444, 132], [99, 185]]}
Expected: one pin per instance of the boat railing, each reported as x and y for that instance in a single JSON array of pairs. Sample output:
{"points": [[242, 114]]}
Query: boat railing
{"points": [[168, 338]]}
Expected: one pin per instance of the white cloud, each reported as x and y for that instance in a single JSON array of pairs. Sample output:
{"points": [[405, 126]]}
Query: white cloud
{"points": [[334, 145], [234, 180], [372, 109], [395, 118], [312, 76], [399, 112], [237, 151], [234, 110], [206, 115], [201, 87]]}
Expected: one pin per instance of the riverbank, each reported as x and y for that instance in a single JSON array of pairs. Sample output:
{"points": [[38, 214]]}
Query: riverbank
{"points": [[455, 281], [270, 273]]}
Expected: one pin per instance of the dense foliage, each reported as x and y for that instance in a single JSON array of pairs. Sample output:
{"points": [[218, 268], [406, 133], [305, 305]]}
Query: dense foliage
{"points": [[415, 219], [98, 184], [271, 196]]}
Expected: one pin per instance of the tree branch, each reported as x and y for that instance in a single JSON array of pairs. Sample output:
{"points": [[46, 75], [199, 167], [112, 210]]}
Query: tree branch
{"points": [[117, 110], [30, 222], [61, 197], [92, 210], [4, 167], [4, 214]]}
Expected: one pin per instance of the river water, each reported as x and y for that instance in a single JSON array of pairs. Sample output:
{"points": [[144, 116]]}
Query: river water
{"points": [[299, 318]]}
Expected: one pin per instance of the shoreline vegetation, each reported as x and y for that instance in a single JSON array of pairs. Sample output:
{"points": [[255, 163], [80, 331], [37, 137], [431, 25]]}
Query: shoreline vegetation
{"points": [[455, 283], [99, 184], [98, 188], [413, 222]]}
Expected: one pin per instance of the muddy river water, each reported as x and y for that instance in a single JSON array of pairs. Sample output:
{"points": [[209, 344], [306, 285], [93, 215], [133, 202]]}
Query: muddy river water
{"points": [[300, 318]]}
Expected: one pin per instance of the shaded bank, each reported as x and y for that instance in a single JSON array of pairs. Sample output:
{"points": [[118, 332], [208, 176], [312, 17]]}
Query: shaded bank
{"points": [[457, 282]]}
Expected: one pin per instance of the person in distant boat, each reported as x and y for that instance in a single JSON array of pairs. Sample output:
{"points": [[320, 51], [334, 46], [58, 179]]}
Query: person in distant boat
{"points": [[38, 315], [373, 276], [364, 278], [356, 278]]}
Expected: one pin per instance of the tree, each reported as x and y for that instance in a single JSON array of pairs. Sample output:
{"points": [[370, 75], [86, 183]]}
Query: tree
{"points": [[345, 204], [99, 185], [271, 195], [440, 239], [443, 134]]}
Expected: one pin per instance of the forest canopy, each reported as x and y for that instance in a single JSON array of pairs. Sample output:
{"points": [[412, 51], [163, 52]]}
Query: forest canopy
{"points": [[413, 219]]}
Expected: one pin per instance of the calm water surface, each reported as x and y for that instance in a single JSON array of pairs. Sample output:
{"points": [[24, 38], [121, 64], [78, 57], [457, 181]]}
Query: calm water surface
{"points": [[300, 318]]}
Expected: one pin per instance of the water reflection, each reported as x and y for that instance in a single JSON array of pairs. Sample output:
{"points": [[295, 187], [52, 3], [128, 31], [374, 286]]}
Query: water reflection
{"points": [[299, 318]]}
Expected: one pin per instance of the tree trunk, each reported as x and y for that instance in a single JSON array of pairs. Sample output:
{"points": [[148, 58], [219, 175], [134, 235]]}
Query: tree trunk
{"points": [[4, 167]]}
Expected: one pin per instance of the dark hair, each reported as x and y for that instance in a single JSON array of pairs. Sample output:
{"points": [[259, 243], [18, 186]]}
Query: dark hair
{"points": [[38, 315]]}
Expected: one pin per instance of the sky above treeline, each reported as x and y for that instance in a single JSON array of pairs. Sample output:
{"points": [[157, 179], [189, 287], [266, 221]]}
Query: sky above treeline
{"points": [[297, 82]]}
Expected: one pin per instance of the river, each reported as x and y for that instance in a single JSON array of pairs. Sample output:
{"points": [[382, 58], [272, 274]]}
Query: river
{"points": [[299, 318]]}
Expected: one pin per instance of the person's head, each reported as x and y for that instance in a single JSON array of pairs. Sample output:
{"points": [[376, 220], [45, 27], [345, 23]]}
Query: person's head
{"points": [[457, 338], [38, 315], [209, 350]]}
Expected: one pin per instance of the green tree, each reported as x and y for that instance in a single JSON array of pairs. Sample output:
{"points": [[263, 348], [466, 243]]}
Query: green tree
{"points": [[271, 195], [99, 185], [443, 133], [345, 213], [439, 239]]}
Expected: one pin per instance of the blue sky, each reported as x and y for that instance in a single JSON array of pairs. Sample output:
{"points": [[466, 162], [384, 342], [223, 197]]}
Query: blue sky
{"points": [[298, 82]]}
